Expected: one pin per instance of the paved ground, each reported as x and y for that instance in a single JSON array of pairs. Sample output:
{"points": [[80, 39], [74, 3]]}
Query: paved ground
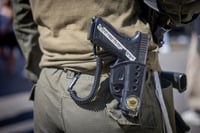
{"points": [[16, 110]]}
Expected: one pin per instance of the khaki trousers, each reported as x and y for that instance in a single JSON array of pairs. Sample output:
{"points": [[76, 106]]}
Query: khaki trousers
{"points": [[55, 111]]}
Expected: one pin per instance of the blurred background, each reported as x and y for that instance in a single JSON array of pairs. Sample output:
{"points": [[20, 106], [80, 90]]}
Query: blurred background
{"points": [[16, 110]]}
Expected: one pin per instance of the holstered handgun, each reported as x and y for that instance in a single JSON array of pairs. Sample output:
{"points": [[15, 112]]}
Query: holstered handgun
{"points": [[126, 85], [129, 70]]}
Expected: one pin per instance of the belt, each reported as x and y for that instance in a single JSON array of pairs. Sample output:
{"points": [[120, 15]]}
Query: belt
{"points": [[70, 74]]}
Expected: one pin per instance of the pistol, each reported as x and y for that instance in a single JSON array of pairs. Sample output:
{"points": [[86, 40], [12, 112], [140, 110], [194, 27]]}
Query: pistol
{"points": [[129, 70]]}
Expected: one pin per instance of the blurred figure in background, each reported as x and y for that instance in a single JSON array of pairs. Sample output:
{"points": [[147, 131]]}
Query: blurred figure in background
{"points": [[8, 42], [192, 116]]}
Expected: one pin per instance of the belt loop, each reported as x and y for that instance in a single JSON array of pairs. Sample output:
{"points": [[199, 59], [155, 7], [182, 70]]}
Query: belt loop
{"points": [[70, 74]]}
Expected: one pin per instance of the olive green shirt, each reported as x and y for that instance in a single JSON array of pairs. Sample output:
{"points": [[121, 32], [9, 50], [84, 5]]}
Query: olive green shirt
{"points": [[63, 27]]}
